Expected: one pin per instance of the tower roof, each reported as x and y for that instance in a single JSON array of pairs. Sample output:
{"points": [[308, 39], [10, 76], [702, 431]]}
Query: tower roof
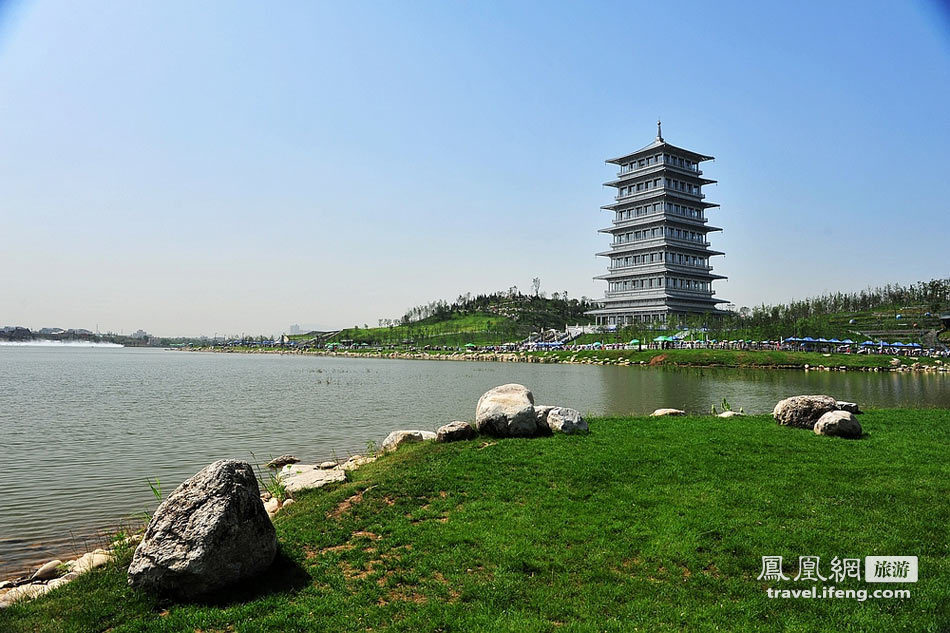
{"points": [[657, 143]]}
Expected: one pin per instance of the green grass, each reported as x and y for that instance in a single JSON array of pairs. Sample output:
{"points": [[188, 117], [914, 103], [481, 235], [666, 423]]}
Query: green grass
{"points": [[644, 524]]}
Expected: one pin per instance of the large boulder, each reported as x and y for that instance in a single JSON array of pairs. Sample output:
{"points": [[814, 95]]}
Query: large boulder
{"points": [[659, 413], [455, 432], [397, 438], [838, 423], [803, 411], [507, 411], [563, 420], [212, 531]]}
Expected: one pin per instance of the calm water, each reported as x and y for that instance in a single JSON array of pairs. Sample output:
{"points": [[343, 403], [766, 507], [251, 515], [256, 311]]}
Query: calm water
{"points": [[81, 429]]}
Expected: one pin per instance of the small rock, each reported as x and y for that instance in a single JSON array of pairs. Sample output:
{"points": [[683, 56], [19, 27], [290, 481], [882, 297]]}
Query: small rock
{"points": [[89, 561], [455, 432], [850, 407], [283, 460], [5, 584], [48, 571], [397, 438], [729, 414], [327, 465], [356, 461], [62, 580], [23, 592], [271, 505], [840, 424], [565, 420], [297, 477], [662, 412], [287, 502]]}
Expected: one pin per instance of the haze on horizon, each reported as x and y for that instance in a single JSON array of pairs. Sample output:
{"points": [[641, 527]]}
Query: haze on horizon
{"points": [[237, 167]]}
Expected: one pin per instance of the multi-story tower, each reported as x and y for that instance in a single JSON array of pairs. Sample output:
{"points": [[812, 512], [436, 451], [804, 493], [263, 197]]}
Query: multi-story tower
{"points": [[659, 255]]}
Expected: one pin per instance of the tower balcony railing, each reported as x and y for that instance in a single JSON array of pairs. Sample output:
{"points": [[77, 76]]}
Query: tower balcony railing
{"points": [[634, 170], [657, 190], [657, 292], [660, 240], [659, 266]]}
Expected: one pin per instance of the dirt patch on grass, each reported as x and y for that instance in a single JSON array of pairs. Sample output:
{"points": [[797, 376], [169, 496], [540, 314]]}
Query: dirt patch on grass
{"points": [[347, 504], [365, 534], [316, 552]]}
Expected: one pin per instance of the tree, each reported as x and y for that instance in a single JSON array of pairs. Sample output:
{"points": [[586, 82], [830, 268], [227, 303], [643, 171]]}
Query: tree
{"points": [[536, 286]]}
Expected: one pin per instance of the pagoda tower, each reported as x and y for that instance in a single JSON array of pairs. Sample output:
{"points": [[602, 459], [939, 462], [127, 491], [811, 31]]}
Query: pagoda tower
{"points": [[659, 257]]}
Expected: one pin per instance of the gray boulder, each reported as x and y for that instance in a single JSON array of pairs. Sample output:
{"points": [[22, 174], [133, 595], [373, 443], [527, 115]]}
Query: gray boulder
{"points": [[397, 438], [507, 411], [455, 432], [850, 407], [212, 531], [839, 424], [803, 411], [283, 460], [565, 420]]}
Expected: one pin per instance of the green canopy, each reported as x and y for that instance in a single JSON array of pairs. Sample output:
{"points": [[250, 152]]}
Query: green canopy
{"points": [[662, 338], [633, 341], [470, 345]]}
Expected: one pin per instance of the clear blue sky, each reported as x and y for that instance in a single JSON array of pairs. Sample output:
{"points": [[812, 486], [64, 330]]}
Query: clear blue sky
{"points": [[193, 168]]}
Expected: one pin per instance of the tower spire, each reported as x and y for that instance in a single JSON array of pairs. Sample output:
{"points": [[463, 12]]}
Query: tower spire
{"points": [[659, 130]]}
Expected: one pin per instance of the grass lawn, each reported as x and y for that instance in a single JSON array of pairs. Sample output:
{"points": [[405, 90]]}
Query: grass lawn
{"points": [[642, 525]]}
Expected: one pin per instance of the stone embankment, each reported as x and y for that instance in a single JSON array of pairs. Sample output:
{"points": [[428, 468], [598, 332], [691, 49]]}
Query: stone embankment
{"points": [[895, 364]]}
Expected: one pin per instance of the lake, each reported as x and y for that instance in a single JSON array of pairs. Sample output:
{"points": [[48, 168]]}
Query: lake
{"points": [[82, 429]]}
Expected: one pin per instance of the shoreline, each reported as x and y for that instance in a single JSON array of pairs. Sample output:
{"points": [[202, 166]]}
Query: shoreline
{"points": [[631, 358], [402, 512]]}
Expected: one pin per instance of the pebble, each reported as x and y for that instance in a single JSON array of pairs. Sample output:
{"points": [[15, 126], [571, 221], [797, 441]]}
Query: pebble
{"points": [[328, 465], [48, 571]]}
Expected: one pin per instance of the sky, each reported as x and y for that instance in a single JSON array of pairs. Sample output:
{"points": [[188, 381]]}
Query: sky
{"points": [[236, 167]]}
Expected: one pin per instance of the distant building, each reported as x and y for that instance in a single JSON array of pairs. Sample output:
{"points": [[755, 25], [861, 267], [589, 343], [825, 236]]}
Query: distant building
{"points": [[139, 334], [295, 329], [659, 255]]}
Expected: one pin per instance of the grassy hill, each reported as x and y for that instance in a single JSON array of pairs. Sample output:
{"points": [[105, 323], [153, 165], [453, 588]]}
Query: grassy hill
{"points": [[645, 524], [455, 330], [482, 319]]}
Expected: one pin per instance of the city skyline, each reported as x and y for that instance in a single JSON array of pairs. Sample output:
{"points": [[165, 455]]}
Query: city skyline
{"points": [[229, 168]]}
